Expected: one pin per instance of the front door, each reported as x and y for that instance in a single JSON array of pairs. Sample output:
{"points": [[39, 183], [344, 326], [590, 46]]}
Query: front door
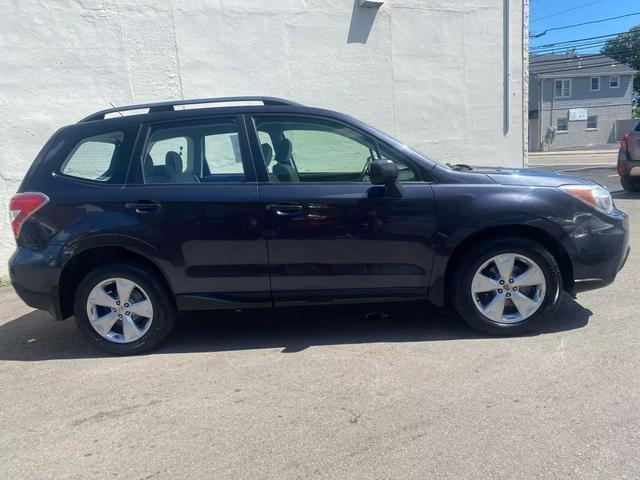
{"points": [[331, 234], [191, 206]]}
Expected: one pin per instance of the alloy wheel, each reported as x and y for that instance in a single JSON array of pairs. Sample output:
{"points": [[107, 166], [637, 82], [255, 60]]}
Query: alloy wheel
{"points": [[119, 310], [508, 288]]}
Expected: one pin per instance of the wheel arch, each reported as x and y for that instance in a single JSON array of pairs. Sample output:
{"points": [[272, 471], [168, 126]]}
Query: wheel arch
{"points": [[553, 245], [81, 264]]}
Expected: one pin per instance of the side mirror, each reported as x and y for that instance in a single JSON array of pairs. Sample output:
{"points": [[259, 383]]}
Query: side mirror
{"points": [[385, 172]]}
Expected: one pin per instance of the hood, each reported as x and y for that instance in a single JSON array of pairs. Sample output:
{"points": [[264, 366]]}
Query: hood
{"points": [[531, 178]]}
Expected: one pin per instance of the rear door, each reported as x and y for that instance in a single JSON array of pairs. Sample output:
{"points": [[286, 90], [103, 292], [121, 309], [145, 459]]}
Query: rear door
{"points": [[191, 206], [331, 234]]}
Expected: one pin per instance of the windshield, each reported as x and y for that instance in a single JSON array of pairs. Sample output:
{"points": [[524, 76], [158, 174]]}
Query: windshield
{"points": [[404, 145]]}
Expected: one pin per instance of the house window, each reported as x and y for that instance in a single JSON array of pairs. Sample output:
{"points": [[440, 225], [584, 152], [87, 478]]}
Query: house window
{"points": [[592, 122], [614, 82], [595, 84], [562, 88], [562, 124]]}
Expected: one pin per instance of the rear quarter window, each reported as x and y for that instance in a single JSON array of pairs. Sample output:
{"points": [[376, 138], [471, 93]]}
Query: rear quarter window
{"points": [[95, 158]]}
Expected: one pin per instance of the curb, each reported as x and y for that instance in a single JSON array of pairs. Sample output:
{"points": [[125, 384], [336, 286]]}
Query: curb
{"points": [[573, 153], [578, 165]]}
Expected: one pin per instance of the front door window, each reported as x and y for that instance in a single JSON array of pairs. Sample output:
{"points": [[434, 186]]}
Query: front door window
{"points": [[309, 149]]}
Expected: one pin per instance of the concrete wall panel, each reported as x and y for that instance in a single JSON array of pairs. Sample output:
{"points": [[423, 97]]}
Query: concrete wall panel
{"points": [[427, 71]]}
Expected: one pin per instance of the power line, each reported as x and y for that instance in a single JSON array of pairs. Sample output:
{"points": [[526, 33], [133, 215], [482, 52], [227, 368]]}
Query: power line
{"points": [[577, 40], [585, 49], [538, 35], [586, 46], [564, 48], [579, 50], [565, 11]]}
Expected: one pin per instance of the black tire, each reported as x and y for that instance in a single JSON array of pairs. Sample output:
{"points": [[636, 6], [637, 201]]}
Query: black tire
{"points": [[630, 184], [477, 256], [164, 310]]}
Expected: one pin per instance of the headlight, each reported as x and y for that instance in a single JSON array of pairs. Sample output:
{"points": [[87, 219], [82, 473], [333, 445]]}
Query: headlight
{"points": [[593, 195]]}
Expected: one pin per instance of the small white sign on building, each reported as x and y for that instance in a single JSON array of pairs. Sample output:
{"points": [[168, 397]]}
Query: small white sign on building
{"points": [[577, 114]]}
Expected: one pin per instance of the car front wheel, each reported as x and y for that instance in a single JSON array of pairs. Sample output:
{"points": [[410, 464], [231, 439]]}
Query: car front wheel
{"points": [[123, 309], [507, 286]]}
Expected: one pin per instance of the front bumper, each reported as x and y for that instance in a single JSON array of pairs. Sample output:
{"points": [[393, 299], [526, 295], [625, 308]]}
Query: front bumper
{"points": [[35, 278], [599, 249]]}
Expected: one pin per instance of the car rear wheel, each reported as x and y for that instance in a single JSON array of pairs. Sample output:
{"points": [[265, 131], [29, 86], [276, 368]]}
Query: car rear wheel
{"points": [[630, 184], [507, 286], [123, 309]]}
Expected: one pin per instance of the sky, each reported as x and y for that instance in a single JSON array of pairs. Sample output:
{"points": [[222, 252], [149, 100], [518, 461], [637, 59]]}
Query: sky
{"points": [[585, 10]]}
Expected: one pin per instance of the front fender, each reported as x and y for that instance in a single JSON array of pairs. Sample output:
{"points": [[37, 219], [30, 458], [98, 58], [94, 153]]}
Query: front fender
{"points": [[465, 212]]}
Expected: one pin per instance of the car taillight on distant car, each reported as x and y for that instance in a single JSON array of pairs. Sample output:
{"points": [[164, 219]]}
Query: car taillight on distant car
{"points": [[623, 142], [22, 206]]}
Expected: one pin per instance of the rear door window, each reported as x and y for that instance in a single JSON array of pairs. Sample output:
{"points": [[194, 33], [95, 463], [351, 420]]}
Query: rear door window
{"points": [[222, 153], [200, 152], [160, 149]]}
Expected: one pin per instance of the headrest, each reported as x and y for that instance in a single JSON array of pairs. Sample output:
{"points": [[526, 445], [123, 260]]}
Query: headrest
{"points": [[173, 160], [283, 154], [147, 165], [267, 153]]}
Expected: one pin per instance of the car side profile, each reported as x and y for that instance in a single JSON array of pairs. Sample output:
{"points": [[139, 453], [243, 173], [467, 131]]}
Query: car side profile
{"points": [[629, 160], [124, 219]]}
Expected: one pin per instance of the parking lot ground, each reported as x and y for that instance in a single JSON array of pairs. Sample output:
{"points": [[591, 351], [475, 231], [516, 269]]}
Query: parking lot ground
{"points": [[390, 391], [600, 167]]}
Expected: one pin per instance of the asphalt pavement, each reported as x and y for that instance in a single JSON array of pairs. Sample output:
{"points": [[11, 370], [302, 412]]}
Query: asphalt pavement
{"points": [[363, 392], [600, 167]]}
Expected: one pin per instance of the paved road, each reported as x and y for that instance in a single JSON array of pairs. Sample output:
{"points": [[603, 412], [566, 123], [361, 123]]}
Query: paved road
{"points": [[605, 175], [408, 392], [601, 167]]}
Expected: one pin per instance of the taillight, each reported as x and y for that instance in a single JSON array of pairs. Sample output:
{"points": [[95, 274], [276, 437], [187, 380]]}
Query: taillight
{"points": [[623, 142], [22, 206]]}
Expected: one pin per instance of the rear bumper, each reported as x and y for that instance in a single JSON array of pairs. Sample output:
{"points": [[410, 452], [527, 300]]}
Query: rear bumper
{"points": [[600, 250], [35, 280], [628, 167]]}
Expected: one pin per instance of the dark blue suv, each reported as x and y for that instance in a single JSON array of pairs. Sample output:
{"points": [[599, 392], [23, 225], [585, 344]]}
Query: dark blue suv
{"points": [[124, 219]]}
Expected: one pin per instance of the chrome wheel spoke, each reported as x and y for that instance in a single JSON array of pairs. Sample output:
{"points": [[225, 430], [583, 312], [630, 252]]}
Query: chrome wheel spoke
{"points": [[143, 308], [130, 330], [124, 289], [533, 276], [516, 295], [113, 318], [524, 304], [495, 308], [99, 296], [482, 283], [504, 264], [104, 324]]}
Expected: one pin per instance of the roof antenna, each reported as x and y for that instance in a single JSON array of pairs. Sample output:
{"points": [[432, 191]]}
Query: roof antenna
{"points": [[111, 103]]}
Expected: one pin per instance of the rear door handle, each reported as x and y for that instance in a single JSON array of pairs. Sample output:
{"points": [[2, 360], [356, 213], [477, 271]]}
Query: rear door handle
{"points": [[285, 208], [143, 206]]}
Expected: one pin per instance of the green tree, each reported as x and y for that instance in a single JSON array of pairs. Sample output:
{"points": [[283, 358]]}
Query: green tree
{"points": [[625, 48]]}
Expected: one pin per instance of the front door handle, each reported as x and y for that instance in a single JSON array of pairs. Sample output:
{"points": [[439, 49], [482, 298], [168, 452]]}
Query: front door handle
{"points": [[143, 206], [285, 208]]}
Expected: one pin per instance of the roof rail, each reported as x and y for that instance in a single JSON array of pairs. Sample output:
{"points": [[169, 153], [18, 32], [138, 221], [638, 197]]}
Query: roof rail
{"points": [[168, 106]]}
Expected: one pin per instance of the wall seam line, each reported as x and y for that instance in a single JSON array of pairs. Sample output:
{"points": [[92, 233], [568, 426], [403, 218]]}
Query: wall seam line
{"points": [[175, 46]]}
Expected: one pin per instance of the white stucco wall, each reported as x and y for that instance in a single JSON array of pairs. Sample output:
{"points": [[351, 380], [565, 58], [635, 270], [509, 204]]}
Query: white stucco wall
{"points": [[429, 72]]}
